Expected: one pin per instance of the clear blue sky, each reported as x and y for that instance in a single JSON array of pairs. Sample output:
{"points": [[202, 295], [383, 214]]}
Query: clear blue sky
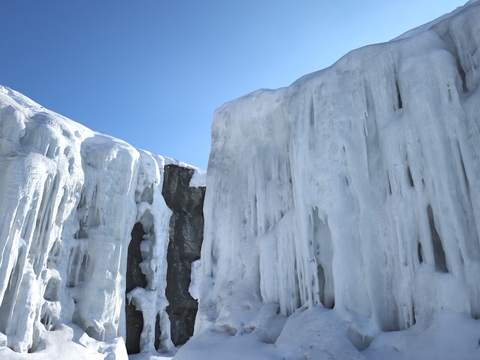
{"points": [[152, 72]]}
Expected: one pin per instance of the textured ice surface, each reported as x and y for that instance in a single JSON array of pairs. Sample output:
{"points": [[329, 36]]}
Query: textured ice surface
{"points": [[355, 188], [342, 217], [70, 198]]}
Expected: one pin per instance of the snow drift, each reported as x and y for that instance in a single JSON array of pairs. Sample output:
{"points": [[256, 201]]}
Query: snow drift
{"points": [[70, 199], [356, 188]]}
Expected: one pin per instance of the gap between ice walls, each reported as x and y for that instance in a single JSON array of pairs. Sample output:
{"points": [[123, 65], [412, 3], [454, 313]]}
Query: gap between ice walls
{"points": [[87, 225]]}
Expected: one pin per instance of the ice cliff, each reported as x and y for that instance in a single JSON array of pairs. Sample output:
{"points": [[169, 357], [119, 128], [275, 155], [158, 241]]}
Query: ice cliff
{"points": [[78, 210], [342, 220], [356, 189]]}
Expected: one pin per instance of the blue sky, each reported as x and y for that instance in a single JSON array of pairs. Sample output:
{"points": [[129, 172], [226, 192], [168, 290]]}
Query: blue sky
{"points": [[152, 72]]}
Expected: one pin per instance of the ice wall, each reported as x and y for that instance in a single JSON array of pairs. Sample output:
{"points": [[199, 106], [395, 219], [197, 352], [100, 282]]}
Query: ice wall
{"points": [[70, 199], [357, 187]]}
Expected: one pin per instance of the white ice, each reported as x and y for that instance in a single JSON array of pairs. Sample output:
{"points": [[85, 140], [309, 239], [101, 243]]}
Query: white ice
{"points": [[342, 217], [70, 198], [356, 188]]}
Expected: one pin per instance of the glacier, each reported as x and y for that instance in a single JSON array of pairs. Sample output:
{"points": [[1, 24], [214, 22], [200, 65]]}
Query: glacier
{"points": [[350, 197], [70, 199]]}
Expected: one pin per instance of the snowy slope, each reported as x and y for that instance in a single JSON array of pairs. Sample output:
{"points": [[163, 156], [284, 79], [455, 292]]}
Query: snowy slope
{"points": [[70, 198], [356, 188]]}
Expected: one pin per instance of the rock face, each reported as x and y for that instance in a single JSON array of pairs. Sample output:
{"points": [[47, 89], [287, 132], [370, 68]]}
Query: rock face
{"points": [[186, 236], [135, 278], [84, 236]]}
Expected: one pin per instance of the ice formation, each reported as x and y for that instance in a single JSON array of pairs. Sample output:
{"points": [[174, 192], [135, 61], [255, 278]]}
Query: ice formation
{"points": [[342, 219], [70, 198], [356, 188]]}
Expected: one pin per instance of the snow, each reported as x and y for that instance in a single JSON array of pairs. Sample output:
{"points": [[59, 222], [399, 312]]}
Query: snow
{"points": [[148, 356], [154, 215], [196, 277], [199, 178], [451, 336], [70, 342], [70, 198], [318, 333], [355, 188]]}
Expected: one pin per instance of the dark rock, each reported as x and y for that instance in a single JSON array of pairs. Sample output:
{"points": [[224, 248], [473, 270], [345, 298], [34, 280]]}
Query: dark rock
{"points": [[157, 332], [134, 278], [134, 328], [186, 236], [178, 195]]}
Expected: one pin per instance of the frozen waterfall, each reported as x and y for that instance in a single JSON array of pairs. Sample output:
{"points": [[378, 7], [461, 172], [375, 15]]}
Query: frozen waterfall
{"points": [[355, 188], [70, 199]]}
